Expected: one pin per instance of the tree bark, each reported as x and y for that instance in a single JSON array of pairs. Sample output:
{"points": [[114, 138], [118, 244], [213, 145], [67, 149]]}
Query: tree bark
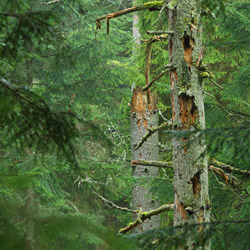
{"points": [[144, 115], [189, 158]]}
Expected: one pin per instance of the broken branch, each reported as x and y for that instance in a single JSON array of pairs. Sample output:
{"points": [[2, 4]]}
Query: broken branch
{"points": [[229, 179], [148, 54], [146, 215], [229, 168], [152, 131], [156, 5]]}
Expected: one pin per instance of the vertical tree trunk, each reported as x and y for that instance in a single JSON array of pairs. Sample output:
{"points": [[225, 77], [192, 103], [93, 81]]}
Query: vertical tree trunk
{"points": [[135, 28], [30, 220], [189, 161], [144, 115]]}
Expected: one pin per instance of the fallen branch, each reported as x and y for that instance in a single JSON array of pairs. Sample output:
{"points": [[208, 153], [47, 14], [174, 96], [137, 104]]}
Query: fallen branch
{"points": [[156, 79], [146, 215], [152, 131], [113, 205], [161, 164]]}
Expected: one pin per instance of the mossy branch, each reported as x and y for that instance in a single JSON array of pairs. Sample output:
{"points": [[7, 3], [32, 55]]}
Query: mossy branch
{"points": [[151, 131], [228, 179], [146, 215], [229, 168], [161, 164], [160, 32]]}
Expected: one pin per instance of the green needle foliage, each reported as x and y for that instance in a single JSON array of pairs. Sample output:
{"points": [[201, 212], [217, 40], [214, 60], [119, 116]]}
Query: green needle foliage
{"points": [[64, 124]]}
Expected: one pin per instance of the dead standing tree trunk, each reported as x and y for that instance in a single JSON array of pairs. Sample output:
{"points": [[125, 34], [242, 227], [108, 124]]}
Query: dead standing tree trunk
{"points": [[141, 117], [189, 161], [144, 115]]}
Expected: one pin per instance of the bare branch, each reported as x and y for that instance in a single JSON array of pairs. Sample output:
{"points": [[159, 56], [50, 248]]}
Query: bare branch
{"points": [[216, 84], [156, 79], [221, 106], [146, 215], [113, 205], [51, 2], [148, 56], [152, 131]]}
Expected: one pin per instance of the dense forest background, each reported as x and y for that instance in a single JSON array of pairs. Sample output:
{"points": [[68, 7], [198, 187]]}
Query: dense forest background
{"points": [[65, 129]]}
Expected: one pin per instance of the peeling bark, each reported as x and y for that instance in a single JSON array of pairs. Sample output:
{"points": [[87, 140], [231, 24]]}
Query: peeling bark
{"points": [[189, 160], [144, 115]]}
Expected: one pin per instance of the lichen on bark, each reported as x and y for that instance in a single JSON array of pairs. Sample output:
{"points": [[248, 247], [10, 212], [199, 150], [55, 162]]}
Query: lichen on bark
{"points": [[189, 158]]}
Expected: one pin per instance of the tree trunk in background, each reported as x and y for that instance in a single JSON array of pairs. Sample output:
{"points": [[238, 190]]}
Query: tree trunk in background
{"points": [[192, 203], [30, 219], [135, 28], [144, 115]]}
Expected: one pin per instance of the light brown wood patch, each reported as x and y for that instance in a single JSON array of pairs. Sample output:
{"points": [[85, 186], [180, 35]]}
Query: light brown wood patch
{"points": [[180, 208], [142, 101]]}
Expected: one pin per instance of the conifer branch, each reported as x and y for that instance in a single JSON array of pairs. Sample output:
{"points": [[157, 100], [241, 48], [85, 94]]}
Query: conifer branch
{"points": [[15, 90], [146, 215], [152, 131], [113, 205]]}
